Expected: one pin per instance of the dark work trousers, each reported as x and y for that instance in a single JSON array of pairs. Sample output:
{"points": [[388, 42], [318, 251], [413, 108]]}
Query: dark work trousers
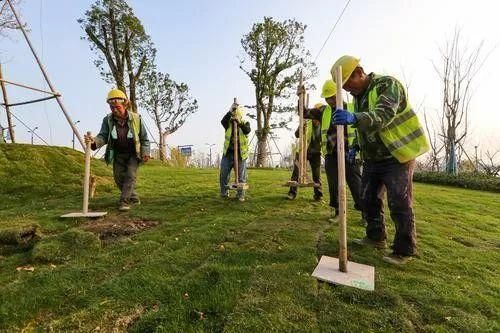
{"points": [[226, 165], [397, 179], [353, 179], [125, 173], [315, 163]]}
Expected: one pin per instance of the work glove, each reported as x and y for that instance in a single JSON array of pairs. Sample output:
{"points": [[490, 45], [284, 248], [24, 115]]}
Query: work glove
{"points": [[238, 115], [343, 117], [351, 155]]}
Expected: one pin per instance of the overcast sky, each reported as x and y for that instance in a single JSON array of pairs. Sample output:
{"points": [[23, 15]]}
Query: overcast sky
{"points": [[198, 43]]}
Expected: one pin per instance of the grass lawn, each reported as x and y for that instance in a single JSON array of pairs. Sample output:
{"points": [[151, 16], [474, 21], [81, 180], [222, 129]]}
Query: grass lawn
{"points": [[201, 263]]}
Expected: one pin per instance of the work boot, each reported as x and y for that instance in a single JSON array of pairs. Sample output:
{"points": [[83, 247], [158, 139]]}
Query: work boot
{"points": [[241, 198], [367, 241], [123, 206], [334, 218], [397, 259], [135, 201], [317, 197], [291, 195]]}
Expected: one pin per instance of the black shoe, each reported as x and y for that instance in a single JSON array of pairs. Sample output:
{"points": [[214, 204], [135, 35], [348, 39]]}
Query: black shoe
{"points": [[123, 207], [367, 241], [397, 259], [291, 195], [317, 197], [135, 201]]}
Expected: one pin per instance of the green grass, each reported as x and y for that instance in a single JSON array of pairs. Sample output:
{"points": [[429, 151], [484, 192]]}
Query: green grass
{"points": [[176, 277]]}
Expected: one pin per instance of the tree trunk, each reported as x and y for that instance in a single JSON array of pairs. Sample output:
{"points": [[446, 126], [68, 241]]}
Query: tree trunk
{"points": [[7, 109], [261, 149]]}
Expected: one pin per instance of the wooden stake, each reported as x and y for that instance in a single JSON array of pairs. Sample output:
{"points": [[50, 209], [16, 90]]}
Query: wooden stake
{"points": [[86, 177], [7, 108], [341, 178], [235, 148], [302, 146]]}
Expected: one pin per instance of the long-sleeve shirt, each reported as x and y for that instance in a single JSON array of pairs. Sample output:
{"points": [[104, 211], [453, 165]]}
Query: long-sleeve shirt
{"points": [[245, 127], [391, 100], [331, 134]]}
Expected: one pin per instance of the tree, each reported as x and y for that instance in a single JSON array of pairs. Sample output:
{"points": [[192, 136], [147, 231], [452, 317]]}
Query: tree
{"points": [[168, 103], [275, 57], [7, 18], [118, 38], [459, 66]]}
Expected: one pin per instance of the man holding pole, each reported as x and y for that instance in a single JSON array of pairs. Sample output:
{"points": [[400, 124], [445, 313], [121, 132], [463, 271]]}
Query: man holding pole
{"points": [[234, 116], [329, 151], [313, 142], [127, 145], [390, 138]]}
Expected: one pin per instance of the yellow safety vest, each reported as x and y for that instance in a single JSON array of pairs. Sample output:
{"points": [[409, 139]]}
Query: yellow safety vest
{"points": [[404, 137], [326, 121], [134, 125], [242, 139], [308, 134]]}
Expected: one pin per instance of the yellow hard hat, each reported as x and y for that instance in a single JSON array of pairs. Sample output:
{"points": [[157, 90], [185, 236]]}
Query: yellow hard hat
{"points": [[318, 105], [348, 63], [329, 89], [116, 93]]}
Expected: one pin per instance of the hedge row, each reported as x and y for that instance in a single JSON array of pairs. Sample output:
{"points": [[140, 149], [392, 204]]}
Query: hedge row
{"points": [[466, 180]]}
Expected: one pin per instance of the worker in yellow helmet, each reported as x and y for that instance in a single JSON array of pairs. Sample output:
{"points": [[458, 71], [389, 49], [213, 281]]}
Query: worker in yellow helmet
{"points": [[127, 144], [390, 137], [329, 150], [313, 142]]}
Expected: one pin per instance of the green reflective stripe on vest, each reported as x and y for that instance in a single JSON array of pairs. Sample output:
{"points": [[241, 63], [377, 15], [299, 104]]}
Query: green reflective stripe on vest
{"points": [[309, 131], [242, 139], [326, 120], [404, 136]]}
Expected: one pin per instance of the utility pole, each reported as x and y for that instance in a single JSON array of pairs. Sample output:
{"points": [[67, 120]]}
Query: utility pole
{"points": [[7, 108], [477, 163], [32, 131], [210, 145], [73, 140]]}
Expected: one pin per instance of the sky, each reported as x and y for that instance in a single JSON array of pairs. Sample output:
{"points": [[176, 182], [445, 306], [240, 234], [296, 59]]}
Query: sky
{"points": [[198, 43]]}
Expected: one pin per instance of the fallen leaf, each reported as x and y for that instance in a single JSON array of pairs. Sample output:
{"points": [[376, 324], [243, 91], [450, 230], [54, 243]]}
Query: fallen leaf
{"points": [[186, 295], [25, 268], [447, 318], [52, 266]]}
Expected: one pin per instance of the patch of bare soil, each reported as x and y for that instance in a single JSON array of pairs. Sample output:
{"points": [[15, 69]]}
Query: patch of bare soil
{"points": [[113, 227]]}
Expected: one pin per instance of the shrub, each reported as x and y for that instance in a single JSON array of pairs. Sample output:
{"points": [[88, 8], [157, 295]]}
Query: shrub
{"points": [[473, 181]]}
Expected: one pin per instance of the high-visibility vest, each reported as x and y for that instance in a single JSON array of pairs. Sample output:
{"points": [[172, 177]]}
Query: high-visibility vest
{"points": [[242, 140], [404, 137], [134, 128], [326, 121]]}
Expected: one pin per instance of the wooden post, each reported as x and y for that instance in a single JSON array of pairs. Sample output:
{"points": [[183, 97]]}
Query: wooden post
{"points": [[235, 148], [341, 179], [302, 152], [7, 108], [86, 178]]}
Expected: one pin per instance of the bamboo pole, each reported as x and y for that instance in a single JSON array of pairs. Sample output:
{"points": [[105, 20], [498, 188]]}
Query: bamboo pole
{"points": [[7, 108], [42, 68], [86, 178], [28, 87], [341, 178]]}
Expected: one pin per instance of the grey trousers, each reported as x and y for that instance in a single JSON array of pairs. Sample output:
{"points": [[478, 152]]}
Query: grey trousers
{"points": [[125, 173]]}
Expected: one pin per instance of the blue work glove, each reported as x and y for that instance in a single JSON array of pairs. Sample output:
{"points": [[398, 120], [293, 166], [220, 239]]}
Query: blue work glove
{"points": [[343, 117], [351, 155]]}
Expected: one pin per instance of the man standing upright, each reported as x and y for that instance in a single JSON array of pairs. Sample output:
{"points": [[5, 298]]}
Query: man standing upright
{"points": [[227, 162], [390, 138], [127, 145]]}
